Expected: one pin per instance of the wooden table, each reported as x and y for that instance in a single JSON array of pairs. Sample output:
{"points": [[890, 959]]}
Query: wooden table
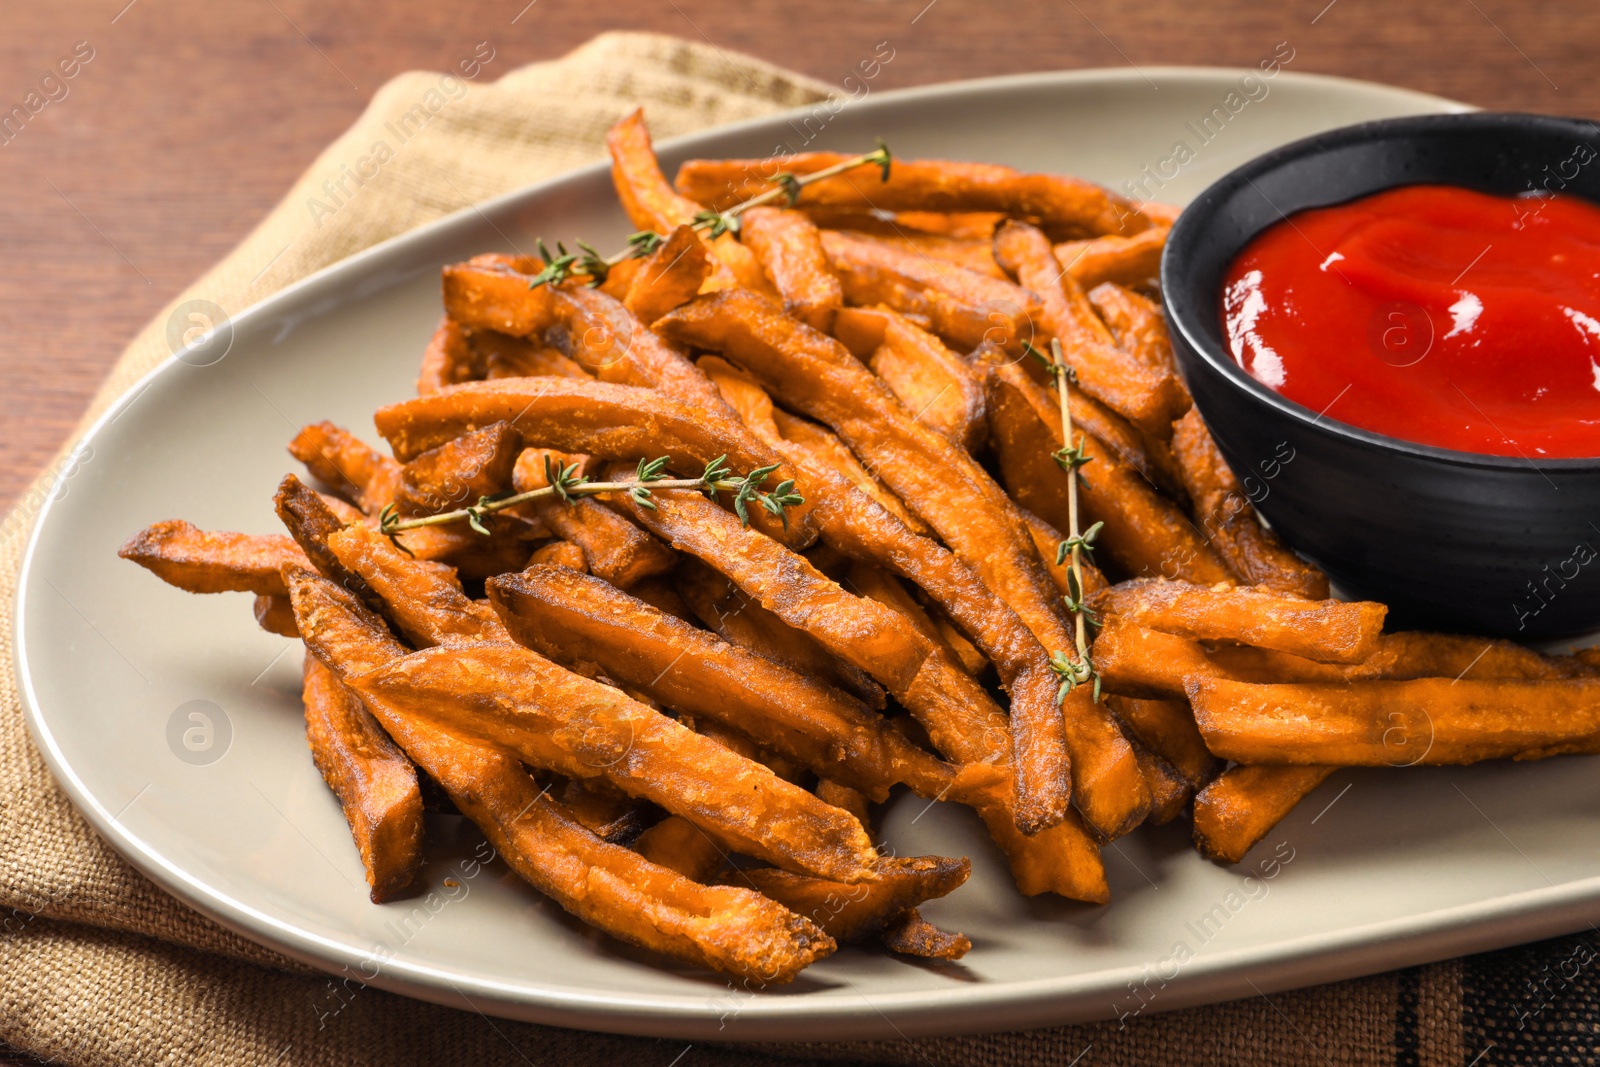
{"points": [[192, 117]]}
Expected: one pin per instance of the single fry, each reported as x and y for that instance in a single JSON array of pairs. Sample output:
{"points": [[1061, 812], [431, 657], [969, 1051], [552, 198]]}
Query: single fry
{"points": [[1223, 510], [735, 931], [1329, 631], [911, 935], [612, 547], [878, 584], [1063, 205], [1149, 398], [1133, 261], [853, 913], [459, 472], [426, 604], [572, 618], [375, 783], [679, 845], [559, 553], [1047, 540], [969, 253], [1144, 533], [789, 247], [491, 292], [512, 698], [936, 385], [347, 465], [1137, 324], [671, 275], [448, 359], [1244, 803], [1167, 728], [1170, 792], [965, 308], [204, 561], [504, 356]]}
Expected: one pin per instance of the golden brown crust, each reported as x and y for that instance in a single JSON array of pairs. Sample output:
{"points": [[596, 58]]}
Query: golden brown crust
{"points": [[853, 913], [789, 247], [1131, 261], [1240, 807], [936, 385], [911, 935], [447, 360], [205, 561], [1062, 204], [1168, 729], [275, 614], [671, 275], [374, 780], [347, 465], [491, 292], [457, 473], [612, 547]]}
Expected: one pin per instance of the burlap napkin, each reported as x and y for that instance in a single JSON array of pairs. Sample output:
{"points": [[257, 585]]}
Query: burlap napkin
{"points": [[99, 967]]}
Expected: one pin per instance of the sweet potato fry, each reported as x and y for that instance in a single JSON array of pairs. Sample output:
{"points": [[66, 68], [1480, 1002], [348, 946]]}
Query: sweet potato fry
{"points": [[606, 811], [571, 618], [447, 360], [311, 522], [737, 618], [1137, 324], [874, 582], [679, 845], [911, 935], [1047, 540], [1137, 662], [491, 292], [204, 561], [936, 385], [374, 781], [956, 497], [1167, 728], [275, 614], [513, 698], [1144, 532], [829, 451], [966, 308], [560, 554], [789, 247], [1133, 261], [970, 253], [1397, 723], [852, 913], [504, 356], [427, 605], [1147, 397], [596, 419], [975, 227], [1329, 631], [858, 631], [347, 465], [1224, 511], [457, 473], [1169, 790], [613, 548], [672, 275], [652, 203], [1063, 205], [1244, 803], [735, 931]]}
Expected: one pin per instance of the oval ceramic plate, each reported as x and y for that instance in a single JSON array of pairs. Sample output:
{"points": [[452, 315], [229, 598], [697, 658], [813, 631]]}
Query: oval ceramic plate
{"points": [[174, 722]]}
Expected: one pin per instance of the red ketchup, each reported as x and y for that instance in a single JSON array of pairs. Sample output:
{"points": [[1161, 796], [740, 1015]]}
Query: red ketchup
{"points": [[1431, 313]]}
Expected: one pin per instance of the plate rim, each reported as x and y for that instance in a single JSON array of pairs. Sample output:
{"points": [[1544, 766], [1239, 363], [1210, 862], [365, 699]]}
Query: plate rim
{"points": [[1054, 1000]]}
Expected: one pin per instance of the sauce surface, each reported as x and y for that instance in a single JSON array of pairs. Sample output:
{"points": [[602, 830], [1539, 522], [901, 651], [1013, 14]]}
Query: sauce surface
{"points": [[1431, 313]]}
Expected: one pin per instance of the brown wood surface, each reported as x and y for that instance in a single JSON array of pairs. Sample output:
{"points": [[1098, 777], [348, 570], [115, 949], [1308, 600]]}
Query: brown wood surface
{"points": [[194, 116]]}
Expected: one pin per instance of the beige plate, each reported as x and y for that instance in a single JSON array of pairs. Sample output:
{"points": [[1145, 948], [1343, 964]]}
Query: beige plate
{"points": [[1376, 870]]}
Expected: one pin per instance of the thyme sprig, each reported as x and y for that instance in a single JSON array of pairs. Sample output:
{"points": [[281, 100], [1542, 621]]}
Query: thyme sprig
{"points": [[568, 485], [1071, 458], [587, 262]]}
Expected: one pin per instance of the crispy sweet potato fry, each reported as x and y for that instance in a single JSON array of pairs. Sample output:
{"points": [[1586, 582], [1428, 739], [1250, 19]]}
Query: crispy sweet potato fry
{"points": [[511, 697], [458, 472], [605, 810], [829, 451], [652, 204], [1147, 397], [852, 913], [504, 356], [1137, 324], [275, 614], [858, 631], [374, 781], [203, 561], [936, 385], [448, 360], [491, 292], [1221, 507], [1063, 205], [311, 522], [735, 931], [347, 465], [1244, 803], [679, 845], [957, 498], [868, 580], [740, 620], [613, 548], [1397, 723], [966, 308], [427, 605], [560, 554], [1047, 540], [1169, 790], [597, 419], [1137, 662], [672, 275], [1144, 532], [1329, 631], [1167, 728], [789, 247], [911, 935], [572, 618], [1131, 261], [970, 253]]}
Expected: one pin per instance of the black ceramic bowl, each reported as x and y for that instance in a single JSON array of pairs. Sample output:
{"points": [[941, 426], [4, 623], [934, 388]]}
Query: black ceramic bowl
{"points": [[1450, 540]]}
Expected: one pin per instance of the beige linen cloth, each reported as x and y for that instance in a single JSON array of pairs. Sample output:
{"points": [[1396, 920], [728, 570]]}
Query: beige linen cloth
{"points": [[99, 968]]}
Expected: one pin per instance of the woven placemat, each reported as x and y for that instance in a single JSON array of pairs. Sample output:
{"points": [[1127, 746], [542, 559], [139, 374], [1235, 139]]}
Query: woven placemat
{"points": [[99, 967]]}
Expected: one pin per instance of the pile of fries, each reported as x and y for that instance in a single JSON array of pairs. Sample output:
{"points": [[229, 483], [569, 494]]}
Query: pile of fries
{"points": [[687, 556]]}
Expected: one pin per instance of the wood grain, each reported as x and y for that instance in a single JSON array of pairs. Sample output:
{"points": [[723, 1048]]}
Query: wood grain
{"points": [[194, 116]]}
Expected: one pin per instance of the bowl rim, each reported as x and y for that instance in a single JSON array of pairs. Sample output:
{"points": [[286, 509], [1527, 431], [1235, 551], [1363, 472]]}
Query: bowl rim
{"points": [[1190, 226]]}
